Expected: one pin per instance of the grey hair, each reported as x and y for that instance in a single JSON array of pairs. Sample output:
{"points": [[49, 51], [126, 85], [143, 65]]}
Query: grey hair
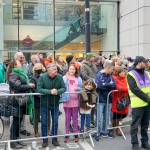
{"points": [[108, 64], [50, 66], [16, 55]]}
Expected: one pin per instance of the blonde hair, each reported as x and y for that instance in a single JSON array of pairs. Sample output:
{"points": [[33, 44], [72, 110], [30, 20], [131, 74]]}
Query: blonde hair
{"points": [[37, 65], [58, 64], [118, 70]]}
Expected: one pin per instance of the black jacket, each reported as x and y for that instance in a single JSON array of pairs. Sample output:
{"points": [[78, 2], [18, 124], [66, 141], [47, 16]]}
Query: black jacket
{"points": [[18, 84], [135, 89], [34, 79]]}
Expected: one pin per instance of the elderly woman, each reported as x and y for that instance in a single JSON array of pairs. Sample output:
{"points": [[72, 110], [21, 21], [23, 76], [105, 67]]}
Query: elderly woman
{"points": [[119, 76], [19, 83]]}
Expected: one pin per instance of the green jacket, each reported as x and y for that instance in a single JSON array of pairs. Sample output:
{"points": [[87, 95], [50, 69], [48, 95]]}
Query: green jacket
{"points": [[2, 73], [45, 85]]}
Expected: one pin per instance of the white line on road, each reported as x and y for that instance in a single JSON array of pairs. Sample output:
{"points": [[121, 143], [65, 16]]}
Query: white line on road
{"points": [[86, 145]]}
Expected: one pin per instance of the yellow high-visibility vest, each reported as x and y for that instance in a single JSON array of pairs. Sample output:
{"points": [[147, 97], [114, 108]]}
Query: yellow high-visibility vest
{"points": [[145, 87]]}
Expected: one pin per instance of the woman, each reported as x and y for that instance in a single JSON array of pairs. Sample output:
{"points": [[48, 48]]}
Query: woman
{"points": [[74, 84], [38, 69], [119, 76], [60, 64], [19, 83]]}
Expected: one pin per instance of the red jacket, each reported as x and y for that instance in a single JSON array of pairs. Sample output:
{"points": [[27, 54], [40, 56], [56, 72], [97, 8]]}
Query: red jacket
{"points": [[121, 84]]}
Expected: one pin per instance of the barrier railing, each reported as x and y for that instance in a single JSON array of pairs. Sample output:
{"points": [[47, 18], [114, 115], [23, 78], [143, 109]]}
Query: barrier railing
{"points": [[108, 117], [7, 142], [71, 134]]}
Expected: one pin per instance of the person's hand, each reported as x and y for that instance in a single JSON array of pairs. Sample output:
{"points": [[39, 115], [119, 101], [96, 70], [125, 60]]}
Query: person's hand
{"points": [[67, 75], [54, 92], [91, 106], [32, 85], [75, 89]]}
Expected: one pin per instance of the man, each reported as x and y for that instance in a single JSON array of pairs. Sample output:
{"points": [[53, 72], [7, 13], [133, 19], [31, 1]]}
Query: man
{"points": [[98, 62], [88, 69], [21, 58], [139, 92], [105, 83], [52, 86]]}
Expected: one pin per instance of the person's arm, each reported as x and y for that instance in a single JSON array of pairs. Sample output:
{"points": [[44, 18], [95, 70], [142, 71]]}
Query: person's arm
{"points": [[40, 87], [136, 90], [15, 82], [100, 84], [84, 73]]}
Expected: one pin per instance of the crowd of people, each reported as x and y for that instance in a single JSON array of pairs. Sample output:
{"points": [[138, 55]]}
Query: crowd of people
{"points": [[86, 79]]}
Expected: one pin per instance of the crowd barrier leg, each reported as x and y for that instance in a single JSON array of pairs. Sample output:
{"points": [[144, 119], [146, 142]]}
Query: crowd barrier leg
{"points": [[107, 116], [122, 133], [91, 139], [8, 145]]}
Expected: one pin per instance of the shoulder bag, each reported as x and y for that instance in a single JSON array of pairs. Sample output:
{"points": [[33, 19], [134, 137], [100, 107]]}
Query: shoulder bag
{"points": [[124, 102]]}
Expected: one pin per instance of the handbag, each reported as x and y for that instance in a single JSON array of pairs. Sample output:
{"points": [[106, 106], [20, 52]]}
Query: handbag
{"points": [[8, 110], [23, 100], [124, 102]]}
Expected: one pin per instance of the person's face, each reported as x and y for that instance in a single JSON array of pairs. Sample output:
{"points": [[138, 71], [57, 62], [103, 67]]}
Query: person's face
{"points": [[109, 70], [122, 73], [143, 65], [51, 57], [72, 70], [60, 59], [73, 61], [89, 87], [38, 67], [41, 56], [21, 58], [34, 60], [18, 65], [91, 59], [52, 72]]}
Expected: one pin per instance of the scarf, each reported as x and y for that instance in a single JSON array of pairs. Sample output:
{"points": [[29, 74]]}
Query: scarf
{"points": [[31, 105]]}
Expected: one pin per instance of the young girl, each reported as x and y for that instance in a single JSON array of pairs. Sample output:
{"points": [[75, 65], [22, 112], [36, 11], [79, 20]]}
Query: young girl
{"points": [[87, 102], [74, 84]]}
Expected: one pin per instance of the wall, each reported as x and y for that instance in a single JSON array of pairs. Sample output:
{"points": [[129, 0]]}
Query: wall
{"points": [[135, 27]]}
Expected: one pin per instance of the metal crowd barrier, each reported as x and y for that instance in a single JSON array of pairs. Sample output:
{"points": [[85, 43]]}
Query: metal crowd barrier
{"points": [[7, 142], [108, 117], [71, 134]]}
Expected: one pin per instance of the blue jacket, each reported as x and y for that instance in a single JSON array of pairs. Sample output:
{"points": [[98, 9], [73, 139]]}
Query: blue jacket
{"points": [[105, 83]]}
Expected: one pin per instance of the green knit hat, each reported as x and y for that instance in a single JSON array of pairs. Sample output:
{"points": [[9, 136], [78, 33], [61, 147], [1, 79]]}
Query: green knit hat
{"points": [[88, 56]]}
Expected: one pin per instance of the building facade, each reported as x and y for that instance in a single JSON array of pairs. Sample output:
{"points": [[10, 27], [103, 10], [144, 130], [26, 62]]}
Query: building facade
{"points": [[116, 26], [135, 27]]}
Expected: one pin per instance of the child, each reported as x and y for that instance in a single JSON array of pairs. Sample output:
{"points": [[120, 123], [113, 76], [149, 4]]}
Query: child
{"points": [[87, 102], [73, 84]]}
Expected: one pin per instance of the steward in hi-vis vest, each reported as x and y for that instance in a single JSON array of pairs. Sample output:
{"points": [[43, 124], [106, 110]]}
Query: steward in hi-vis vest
{"points": [[139, 91], [144, 86]]}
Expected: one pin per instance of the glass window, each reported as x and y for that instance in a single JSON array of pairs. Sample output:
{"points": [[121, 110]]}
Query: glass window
{"points": [[30, 11]]}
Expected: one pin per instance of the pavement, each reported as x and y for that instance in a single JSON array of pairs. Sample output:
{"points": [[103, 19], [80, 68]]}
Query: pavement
{"points": [[118, 143]]}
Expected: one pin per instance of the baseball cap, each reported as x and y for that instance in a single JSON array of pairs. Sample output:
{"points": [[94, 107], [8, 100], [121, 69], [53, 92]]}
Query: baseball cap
{"points": [[140, 59]]}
